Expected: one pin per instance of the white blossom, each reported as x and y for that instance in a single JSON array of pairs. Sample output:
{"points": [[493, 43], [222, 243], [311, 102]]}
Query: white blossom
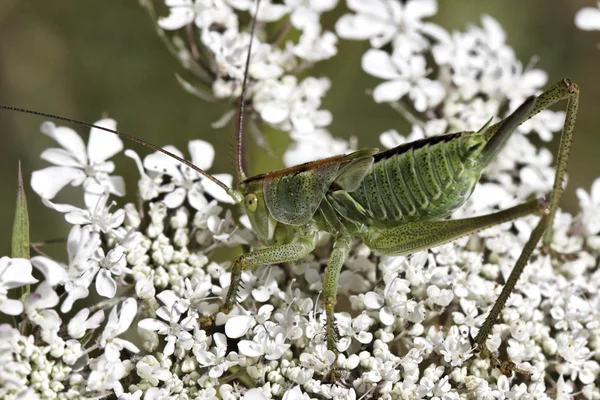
{"points": [[81, 322], [76, 164], [38, 306], [185, 182], [406, 77], [382, 21], [118, 322], [203, 13], [588, 18], [97, 214], [14, 273], [590, 206]]}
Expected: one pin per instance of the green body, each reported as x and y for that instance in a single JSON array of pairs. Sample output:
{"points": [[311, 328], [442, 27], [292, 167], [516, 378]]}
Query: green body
{"points": [[367, 192], [397, 201]]}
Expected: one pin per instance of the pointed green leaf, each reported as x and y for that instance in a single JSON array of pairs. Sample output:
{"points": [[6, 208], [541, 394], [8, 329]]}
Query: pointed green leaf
{"points": [[20, 233]]}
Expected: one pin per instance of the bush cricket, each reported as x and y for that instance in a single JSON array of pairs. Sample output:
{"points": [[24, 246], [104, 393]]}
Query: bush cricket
{"points": [[396, 200]]}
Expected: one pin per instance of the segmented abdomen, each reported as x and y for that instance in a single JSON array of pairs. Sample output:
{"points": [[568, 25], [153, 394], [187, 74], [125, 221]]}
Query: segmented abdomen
{"points": [[426, 180]]}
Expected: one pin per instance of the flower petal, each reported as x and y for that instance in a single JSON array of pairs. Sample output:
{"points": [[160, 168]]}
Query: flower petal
{"points": [[54, 273], [15, 272], [178, 18], [379, 63], [162, 163], [196, 197], [217, 191], [237, 326], [595, 191], [105, 284], [60, 157], [49, 181], [250, 348], [254, 394], [11, 307], [416, 10], [390, 91], [151, 324], [588, 19], [373, 301], [358, 27], [274, 112], [68, 139], [103, 145], [175, 198], [202, 154]]}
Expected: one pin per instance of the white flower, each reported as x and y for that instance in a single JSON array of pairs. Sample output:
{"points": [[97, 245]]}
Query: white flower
{"points": [[577, 354], [150, 184], [97, 214], [203, 13], [289, 105], [457, 349], [406, 77], [106, 374], [254, 394], [394, 303], [230, 51], [305, 13], [439, 297], [588, 18], [270, 345], [178, 337], [319, 358], [114, 264], [215, 357], [118, 323], [80, 322], [238, 325], [185, 182], [590, 207], [478, 60], [470, 317], [14, 273], [267, 12], [357, 328], [315, 145], [82, 248], [150, 369], [316, 46], [383, 21], [38, 307], [77, 165]]}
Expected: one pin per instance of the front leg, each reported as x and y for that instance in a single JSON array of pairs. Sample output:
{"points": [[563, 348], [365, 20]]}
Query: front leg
{"points": [[288, 252], [300, 247]]}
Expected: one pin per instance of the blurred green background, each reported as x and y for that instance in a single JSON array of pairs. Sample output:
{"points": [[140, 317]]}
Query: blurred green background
{"points": [[82, 58]]}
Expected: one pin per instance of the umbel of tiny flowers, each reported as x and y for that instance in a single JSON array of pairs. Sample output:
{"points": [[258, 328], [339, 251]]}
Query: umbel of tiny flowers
{"points": [[118, 316]]}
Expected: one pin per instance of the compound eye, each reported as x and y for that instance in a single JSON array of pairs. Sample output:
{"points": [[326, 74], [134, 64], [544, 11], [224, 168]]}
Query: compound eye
{"points": [[251, 202]]}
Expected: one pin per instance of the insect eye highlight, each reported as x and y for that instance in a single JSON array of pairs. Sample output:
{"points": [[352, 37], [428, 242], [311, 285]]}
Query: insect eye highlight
{"points": [[251, 202]]}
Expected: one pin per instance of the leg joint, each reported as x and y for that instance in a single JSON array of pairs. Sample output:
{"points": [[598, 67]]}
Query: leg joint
{"points": [[572, 87]]}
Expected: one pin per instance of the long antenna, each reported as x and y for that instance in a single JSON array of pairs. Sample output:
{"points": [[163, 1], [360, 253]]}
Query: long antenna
{"points": [[239, 161], [226, 188]]}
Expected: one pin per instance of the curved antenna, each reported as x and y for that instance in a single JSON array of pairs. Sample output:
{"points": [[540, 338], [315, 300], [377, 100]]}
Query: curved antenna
{"points": [[239, 156], [234, 195]]}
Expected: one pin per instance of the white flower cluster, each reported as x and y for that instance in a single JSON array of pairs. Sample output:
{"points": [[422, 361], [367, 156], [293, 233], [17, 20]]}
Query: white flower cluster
{"points": [[588, 18], [407, 328]]}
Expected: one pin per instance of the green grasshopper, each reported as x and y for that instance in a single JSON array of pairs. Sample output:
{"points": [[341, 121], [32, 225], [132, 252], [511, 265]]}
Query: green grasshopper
{"points": [[396, 201]]}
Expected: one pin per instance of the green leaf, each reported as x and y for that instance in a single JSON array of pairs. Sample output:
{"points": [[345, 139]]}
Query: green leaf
{"points": [[20, 233]]}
